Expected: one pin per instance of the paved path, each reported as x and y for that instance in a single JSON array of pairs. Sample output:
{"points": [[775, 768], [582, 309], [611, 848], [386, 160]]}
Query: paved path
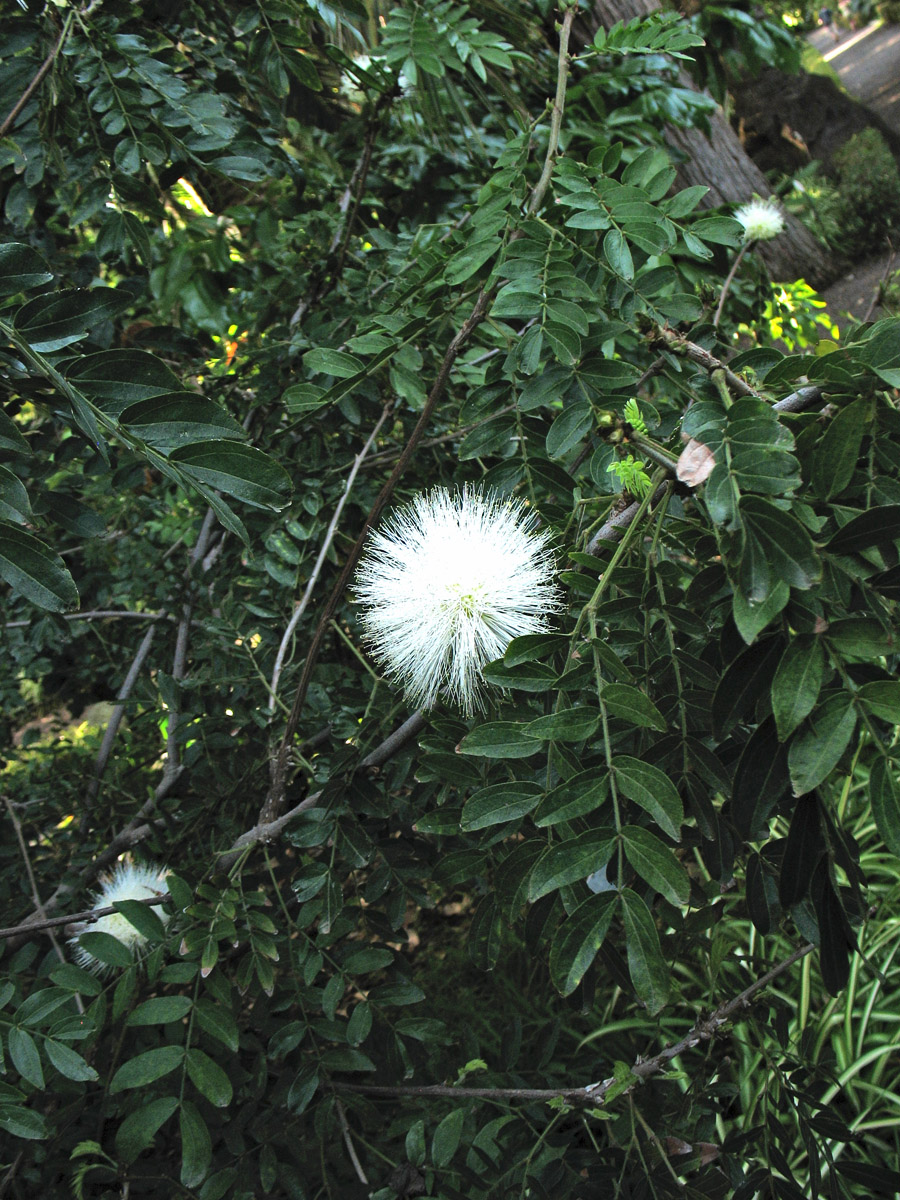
{"points": [[868, 63]]}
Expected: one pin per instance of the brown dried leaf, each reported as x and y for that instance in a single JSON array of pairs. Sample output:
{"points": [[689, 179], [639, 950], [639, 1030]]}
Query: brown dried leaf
{"points": [[695, 463]]}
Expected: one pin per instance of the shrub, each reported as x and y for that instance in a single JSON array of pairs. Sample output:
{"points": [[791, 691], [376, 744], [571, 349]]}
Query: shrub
{"points": [[869, 184]]}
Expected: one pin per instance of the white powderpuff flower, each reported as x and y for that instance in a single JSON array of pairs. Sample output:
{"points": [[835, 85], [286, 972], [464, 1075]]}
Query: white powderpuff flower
{"points": [[129, 881], [761, 219], [446, 584]]}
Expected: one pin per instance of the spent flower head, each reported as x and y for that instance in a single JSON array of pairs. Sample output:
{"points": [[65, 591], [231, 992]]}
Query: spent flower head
{"points": [[446, 584], [129, 881], [761, 219]]}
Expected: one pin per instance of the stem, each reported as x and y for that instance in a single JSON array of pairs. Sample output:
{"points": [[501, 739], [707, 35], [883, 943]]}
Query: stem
{"points": [[556, 115], [38, 79], [320, 561], [728, 281]]}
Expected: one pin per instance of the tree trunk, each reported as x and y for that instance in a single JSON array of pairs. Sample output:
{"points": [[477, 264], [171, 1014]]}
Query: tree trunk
{"points": [[719, 162]]}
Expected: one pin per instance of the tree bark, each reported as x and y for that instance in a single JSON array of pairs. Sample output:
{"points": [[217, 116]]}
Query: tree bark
{"points": [[719, 162]]}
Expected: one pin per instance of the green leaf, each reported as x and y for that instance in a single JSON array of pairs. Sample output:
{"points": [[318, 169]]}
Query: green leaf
{"points": [[10, 437], [567, 725], [837, 453], [617, 254], [499, 803], [139, 1128], [500, 739], [569, 429], [304, 398], [633, 706], [646, 965], [21, 268], [142, 918], [22, 1122], [302, 1090], [581, 794], [742, 684], [25, 1056], [531, 647], [446, 1138], [761, 780], [861, 638], [578, 939], [802, 850], [238, 470], [196, 1146], [332, 362], [208, 1078], [648, 787], [76, 979], [14, 504], [160, 1010], [882, 699], [878, 527], [147, 1068], [360, 1024], [797, 683], [656, 864], [722, 231], [179, 419], [119, 378], [68, 1062], [751, 617], [33, 570], [884, 796], [106, 948], [415, 1143], [785, 547], [51, 322], [570, 861], [815, 750]]}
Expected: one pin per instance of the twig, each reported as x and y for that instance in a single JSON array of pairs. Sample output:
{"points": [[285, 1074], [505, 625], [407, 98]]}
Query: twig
{"points": [[562, 73], [37, 80], [35, 894], [281, 758], [592, 1093], [804, 397], [617, 522], [320, 561], [739, 258], [690, 350], [99, 614], [89, 917], [269, 830], [877, 294], [348, 1142]]}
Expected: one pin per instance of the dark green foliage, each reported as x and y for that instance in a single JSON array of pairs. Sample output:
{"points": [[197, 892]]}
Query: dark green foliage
{"points": [[869, 184], [236, 258]]}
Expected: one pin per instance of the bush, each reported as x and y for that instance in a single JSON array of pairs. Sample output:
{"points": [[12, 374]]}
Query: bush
{"points": [[869, 183]]}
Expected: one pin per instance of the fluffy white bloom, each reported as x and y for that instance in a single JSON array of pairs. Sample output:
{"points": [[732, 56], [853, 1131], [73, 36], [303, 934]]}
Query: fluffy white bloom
{"points": [[446, 584], [761, 219], [129, 881]]}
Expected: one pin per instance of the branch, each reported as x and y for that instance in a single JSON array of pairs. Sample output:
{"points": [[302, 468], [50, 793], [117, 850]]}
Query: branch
{"points": [[687, 349], [267, 831], [729, 279], [562, 72], [275, 799], [593, 1093], [320, 561], [99, 614], [89, 917], [38, 79]]}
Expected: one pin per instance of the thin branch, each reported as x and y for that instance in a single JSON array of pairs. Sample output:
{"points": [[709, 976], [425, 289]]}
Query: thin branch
{"points": [[682, 346], [348, 1142], [617, 522], [879, 291], [320, 561], [593, 1093], [804, 397], [99, 614], [267, 831], [556, 116], [38, 79], [281, 759], [89, 917], [729, 278]]}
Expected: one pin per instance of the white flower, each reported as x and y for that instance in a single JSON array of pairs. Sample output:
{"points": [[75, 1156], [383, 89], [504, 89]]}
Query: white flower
{"points": [[446, 584], [761, 219], [129, 881]]}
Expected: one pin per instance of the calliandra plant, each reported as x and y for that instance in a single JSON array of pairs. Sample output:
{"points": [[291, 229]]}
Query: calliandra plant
{"points": [[129, 881], [446, 584], [761, 220]]}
